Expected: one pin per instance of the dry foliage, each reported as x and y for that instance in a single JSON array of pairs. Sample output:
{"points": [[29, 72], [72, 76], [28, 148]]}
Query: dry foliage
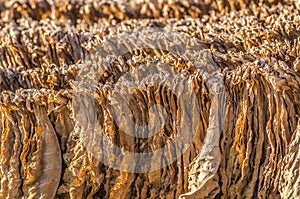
{"points": [[255, 44]]}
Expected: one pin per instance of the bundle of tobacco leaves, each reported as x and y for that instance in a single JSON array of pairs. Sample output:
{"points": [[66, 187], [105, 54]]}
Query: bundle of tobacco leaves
{"points": [[58, 126]]}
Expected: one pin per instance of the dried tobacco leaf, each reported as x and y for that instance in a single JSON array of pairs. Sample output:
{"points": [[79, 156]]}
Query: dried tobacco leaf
{"points": [[254, 152]]}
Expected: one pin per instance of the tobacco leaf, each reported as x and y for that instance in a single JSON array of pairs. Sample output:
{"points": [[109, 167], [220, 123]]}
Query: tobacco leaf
{"points": [[253, 152]]}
